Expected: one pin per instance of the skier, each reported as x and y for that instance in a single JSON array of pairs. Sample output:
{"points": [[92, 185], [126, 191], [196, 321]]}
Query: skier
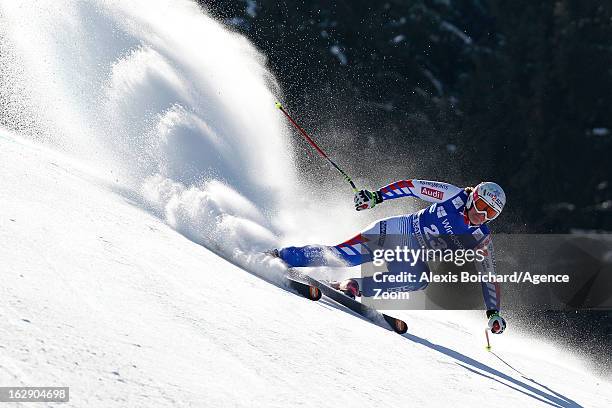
{"points": [[457, 219]]}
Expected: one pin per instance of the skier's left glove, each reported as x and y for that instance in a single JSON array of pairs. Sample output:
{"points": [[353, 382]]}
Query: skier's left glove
{"points": [[497, 324], [365, 199]]}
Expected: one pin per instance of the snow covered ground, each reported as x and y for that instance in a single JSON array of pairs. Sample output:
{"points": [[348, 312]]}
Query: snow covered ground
{"points": [[102, 296], [145, 171]]}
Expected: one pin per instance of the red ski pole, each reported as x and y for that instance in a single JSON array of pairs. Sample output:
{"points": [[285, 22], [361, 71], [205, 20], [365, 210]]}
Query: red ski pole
{"points": [[315, 146]]}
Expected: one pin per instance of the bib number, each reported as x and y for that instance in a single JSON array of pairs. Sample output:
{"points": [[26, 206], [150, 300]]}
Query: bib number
{"points": [[432, 235]]}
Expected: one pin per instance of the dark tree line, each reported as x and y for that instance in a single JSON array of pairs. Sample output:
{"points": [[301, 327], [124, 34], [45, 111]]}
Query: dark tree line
{"points": [[518, 92]]}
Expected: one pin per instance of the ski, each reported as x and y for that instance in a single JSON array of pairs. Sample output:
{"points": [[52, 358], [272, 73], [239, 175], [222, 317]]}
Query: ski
{"points": [[380, 319], [308, 291]]}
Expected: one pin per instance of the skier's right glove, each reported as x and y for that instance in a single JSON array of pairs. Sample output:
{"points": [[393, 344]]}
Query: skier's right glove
{"points": [[497, 324], [365, 199]]}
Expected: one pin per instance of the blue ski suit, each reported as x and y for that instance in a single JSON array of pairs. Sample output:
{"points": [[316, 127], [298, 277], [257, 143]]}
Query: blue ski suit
{"points": [[442, 225]]}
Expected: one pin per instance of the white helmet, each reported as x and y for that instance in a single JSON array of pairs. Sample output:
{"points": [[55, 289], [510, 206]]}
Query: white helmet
{"points": [[488, 198]]}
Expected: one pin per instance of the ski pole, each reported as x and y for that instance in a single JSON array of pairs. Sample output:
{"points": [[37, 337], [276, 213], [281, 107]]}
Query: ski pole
{"points": [[501, 359], [316, 147]]}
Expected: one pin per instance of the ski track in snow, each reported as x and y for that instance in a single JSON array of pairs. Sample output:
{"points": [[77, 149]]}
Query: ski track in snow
{"points": [[100, 295]]}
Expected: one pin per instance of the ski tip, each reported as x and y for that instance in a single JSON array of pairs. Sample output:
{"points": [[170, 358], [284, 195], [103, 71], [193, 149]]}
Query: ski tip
{"points": [[308, 291], [278, 105], [314, 293], [400, 326]]}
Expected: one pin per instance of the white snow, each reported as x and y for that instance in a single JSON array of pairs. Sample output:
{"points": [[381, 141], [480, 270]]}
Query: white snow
{"points": [[337, 51], [398, 38], [457, 32], [601, 131], [251, 8], [437, 84], [150, 170], [104, 297]]}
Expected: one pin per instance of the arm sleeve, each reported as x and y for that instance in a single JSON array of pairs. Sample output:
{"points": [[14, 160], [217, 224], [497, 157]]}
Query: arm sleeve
{"points": [[431, 191], [490, 290]]}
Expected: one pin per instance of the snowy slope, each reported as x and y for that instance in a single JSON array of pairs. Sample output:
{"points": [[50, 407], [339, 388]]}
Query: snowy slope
{"points": [[172, 153], [100, 295]]}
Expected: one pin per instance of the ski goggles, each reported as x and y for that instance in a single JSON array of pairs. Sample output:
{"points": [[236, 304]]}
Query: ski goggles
{"points": [[482, 207]]}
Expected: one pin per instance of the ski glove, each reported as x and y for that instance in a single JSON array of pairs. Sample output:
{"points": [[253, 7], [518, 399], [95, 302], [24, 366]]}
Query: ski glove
{"points": [[365, 199], [497, 324]]}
